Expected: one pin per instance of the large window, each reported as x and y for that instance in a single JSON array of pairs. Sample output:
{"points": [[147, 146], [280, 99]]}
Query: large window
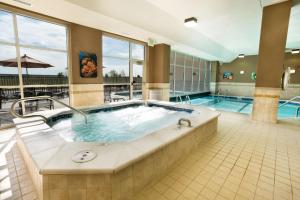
{"points": [[42, 49], [188, 74], [123, 63]]}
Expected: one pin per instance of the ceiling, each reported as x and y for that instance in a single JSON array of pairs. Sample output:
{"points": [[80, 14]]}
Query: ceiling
{"points": [[226, 28]]}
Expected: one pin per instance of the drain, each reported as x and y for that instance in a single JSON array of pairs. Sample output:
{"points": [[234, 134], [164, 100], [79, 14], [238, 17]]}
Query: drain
{"points": [[84, 156]]}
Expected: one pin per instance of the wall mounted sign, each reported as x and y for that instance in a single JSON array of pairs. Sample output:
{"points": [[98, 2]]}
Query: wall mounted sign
{"points": [[253, 76], [88, 65], [228, 75]]}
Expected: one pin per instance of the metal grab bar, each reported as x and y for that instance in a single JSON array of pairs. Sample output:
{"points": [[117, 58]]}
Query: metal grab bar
{"points": [[184, 120], [178, 97], [188, 99], [292, 99], [12, 108]]}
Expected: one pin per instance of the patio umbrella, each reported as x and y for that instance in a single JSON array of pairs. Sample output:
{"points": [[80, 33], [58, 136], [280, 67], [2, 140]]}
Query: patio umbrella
{"points": [[26, 62]]}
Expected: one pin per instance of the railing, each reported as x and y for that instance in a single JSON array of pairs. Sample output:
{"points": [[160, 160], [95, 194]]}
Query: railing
{"points": [[13, 79], [178, 98], [12, 109], [179, 124], [292, 99], [188, 99]]}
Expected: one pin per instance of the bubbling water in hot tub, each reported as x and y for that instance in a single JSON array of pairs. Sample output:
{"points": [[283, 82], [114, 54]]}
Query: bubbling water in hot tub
{"points": [[118, 125]]}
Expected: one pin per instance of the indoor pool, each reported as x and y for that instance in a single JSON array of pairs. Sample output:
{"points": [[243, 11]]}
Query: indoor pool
{"points": [[242, 105], [118, 124]]}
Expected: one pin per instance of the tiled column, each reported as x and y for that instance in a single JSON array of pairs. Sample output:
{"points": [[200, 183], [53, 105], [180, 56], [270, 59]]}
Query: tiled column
{"points": [[273, 36], [86, 95], [266, 104]]}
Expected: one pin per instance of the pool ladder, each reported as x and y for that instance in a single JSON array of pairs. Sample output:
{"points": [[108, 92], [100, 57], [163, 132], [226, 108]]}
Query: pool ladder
{"points": [[178, 98], [188, 99], [13, 112]]}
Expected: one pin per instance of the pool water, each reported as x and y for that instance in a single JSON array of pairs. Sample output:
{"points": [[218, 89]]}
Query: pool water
{"points": [[125, 124], [242, 105]]}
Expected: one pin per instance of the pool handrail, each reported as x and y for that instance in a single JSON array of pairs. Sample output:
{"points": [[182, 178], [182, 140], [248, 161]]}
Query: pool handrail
{"points": [[288, 101], [188, 99], [298, 111], [178, 97], [184, 120], [12, 108]]}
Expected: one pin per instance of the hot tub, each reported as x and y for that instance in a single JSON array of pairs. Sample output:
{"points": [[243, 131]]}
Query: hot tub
{"points": [[123, 147]]}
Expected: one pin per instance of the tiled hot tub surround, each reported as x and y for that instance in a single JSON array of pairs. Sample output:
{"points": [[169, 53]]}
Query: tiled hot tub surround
{"points": [[120, 170]]}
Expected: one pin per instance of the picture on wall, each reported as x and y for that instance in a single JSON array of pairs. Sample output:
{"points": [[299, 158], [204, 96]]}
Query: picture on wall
{"points": [[253, 76], [88, 65], [228, 75]]}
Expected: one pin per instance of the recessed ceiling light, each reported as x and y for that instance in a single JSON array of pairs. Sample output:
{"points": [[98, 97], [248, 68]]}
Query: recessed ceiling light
{"points": [[23, 2], [295, 51], [241, 56], [190, 22]]}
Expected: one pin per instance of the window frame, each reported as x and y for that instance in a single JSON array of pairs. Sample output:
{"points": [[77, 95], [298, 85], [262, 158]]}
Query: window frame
{"points": [[17, 12], [130, 60], [202, 66]]}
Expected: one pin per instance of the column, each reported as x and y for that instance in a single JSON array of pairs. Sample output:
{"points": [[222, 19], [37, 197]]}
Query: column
{"points": [[85, 91], [272, 44], [158, 73]]}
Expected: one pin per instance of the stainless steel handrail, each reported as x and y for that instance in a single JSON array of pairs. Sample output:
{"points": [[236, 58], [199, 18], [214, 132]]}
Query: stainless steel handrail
{"points": [[184, 120], [12, 108], [178, 97], [188, 99], [292, 99], [298, 111]]}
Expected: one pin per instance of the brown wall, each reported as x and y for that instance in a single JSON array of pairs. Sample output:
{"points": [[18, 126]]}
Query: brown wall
{"points": [[249, 64], [87, 40], [273, 36]]}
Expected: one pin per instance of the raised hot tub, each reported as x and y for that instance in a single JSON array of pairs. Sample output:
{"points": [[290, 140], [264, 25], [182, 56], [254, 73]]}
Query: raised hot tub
{"points": [[124, 147]]}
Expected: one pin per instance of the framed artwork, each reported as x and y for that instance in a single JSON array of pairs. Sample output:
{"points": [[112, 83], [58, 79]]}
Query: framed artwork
{"points": [[228, 75], [253, 76], [88, 65]]}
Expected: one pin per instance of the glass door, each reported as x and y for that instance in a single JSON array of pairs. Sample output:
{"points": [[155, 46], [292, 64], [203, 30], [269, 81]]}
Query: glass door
{"points": [[137, 54], [136, 80], [123, 63]]}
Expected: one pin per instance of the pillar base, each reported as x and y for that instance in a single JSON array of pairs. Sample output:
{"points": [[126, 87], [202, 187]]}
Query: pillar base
{"points": [[265, 106], [162, 88], [86, 95]]}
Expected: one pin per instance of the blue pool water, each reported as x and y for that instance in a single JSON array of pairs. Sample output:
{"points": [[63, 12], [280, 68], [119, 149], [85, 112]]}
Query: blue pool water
{"points": [[241, 105], [118, 125]]}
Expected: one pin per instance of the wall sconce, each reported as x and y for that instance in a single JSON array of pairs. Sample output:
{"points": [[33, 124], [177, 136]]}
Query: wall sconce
{"points": [[292, 71]]}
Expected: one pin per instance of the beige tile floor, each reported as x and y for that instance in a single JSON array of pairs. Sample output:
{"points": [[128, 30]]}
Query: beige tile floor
{"points": [[245, 160], [15, 182]]}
